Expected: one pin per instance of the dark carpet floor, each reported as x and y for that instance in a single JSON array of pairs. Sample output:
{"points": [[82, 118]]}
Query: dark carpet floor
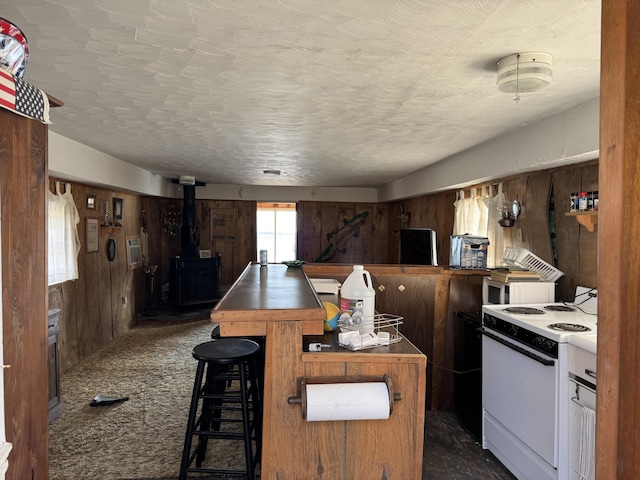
{"points": [[166, 314]]}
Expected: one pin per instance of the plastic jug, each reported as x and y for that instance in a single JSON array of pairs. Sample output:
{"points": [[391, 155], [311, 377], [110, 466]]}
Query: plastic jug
{"points": [[358, 301]]}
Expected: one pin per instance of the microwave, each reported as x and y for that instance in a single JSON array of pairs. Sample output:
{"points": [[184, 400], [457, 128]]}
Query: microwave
{"points": [[517, 292]]}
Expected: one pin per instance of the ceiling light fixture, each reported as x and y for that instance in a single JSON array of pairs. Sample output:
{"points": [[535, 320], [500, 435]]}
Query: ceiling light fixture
{"points": [[271, 172], [524, 72]]}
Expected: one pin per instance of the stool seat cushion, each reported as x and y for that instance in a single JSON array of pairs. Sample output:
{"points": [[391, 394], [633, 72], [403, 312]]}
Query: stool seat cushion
{"points": [[226, 350]]}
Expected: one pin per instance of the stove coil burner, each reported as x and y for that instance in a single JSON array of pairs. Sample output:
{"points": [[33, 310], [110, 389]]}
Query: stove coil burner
{"points": [[569, 327], [524, 311], [559, 308]]}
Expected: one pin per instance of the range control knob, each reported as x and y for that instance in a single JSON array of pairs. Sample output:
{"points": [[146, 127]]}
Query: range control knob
{"points": [[513, 331], [489, 320], [548, 346], [538, 342]]}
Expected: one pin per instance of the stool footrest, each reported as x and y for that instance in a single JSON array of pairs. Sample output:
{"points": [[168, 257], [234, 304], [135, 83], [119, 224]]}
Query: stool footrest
{"points": [[222, 435], [215, 471], [221, 396], [223, 420]]}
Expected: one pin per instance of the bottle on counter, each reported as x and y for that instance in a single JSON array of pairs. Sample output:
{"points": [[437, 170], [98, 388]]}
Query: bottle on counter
{"points": [[357, 300]]}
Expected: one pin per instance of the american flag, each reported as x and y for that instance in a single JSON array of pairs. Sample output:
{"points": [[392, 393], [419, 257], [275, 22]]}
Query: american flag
{"points": [[7, 91], [22, 98]]}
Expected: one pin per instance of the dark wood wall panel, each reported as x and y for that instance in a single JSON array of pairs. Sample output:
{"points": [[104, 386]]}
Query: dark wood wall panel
{"points": [[378, 235], [239, 246], [351, 233], [23, 180], [162, 245], [235, 251], [92, 309], [431, 211], [567, 231], [246, 244], [576, 246], [310, 242], [534, 220], [589, 240], [412, 298]]}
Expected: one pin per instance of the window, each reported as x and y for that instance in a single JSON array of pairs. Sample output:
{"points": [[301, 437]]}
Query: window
{"points": [[276, 229]]}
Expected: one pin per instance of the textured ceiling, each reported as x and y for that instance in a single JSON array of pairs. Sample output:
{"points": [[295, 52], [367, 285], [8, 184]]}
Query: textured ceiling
{"points": [[332, 93]]}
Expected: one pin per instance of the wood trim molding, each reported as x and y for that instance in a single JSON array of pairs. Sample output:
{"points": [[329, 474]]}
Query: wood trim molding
{"points": [[617, 437]]}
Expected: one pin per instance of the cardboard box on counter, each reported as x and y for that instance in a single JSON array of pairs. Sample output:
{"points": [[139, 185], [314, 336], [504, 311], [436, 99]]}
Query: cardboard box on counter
{"points": [[468, 252]]}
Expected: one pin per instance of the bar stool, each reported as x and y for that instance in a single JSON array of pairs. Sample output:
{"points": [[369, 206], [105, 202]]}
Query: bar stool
{"points": [[220, 361]]}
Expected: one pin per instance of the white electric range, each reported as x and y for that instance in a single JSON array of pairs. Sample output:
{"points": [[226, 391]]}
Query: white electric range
{"points": [[525, 383], [555, 321]]}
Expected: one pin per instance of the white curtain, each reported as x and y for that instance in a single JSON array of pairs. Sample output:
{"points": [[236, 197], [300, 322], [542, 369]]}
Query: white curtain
{"points": [[483, 221], [479, 215], [494, 231], [469, 216], [63, 240], [55, 249], [71, 237], [459, 214]]}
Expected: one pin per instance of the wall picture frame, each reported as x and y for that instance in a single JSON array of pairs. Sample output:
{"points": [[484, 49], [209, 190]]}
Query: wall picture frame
{"points": [[134, 251], [118, 207], [91, 234], [91, 202]]}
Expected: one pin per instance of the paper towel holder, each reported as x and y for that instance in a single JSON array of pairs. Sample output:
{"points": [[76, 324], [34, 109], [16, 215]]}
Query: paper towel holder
{"points": [[302, 391]]}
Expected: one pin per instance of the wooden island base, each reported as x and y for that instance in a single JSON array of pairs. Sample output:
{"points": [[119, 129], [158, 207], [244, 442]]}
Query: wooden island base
{"points": [[279, 303]]}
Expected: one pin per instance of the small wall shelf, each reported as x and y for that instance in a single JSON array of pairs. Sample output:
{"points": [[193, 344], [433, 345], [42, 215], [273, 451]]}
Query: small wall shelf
{"points": [[110, 230], [588, 219]]}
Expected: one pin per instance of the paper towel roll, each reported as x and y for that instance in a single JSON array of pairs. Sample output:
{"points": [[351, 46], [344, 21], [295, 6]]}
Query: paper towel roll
{"points": [[347, 401]]}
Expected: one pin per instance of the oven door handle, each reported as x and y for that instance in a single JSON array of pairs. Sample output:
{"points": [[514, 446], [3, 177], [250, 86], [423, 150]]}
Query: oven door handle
{"points": [[527, 353]]}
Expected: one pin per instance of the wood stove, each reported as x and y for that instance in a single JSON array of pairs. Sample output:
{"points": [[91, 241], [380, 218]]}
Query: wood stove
{"points": [[193, 280]]}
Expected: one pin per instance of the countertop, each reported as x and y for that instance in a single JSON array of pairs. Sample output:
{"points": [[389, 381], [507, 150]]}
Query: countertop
{"points": [[275, 293], [586, 341]]}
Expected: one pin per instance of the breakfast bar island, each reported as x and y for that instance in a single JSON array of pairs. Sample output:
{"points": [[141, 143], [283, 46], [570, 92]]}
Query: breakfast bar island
{"points": [[279, 303]]}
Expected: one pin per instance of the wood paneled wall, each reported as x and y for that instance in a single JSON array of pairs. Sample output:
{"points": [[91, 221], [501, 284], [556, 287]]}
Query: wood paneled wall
{"points": [[102, 303], [429, 211], [343, 232], [576, 247], [23, 175], [227, 229]]}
